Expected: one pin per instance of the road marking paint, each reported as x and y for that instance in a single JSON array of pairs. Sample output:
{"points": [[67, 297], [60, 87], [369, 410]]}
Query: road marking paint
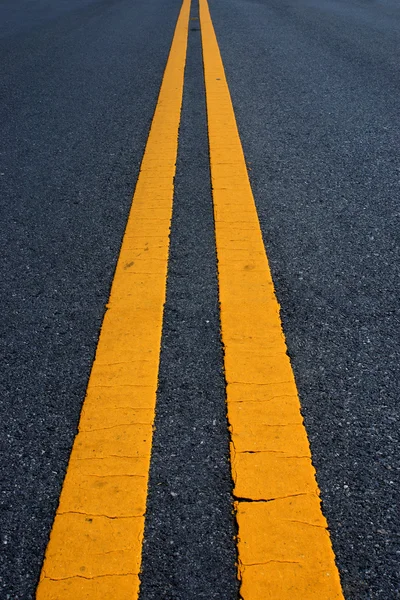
{"points": [[95, 545], [284, 546]]}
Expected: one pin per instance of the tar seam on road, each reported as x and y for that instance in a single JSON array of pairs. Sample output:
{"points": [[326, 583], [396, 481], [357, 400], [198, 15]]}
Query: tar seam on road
{"points": [[284, 546], [96, 540]]}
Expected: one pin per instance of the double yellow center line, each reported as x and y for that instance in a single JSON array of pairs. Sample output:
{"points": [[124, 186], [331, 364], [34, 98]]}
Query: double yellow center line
{"points": [[95, 545]]}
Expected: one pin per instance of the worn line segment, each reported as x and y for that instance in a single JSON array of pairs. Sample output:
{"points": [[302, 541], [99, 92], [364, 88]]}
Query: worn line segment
{"points": [[284, 547], [95, 544]]}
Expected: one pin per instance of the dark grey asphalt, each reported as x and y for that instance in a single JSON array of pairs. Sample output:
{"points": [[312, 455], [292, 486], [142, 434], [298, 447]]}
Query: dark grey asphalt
{"points": [[315, 87], [189, 550], [79, 83]]}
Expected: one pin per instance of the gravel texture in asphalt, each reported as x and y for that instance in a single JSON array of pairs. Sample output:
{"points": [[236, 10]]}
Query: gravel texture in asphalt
{"points": [[315, 89], [189, 550], [78, 87]]}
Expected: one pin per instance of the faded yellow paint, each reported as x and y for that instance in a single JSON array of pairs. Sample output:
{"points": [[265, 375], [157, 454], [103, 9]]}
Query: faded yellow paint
{"points": [[95, 545], [283, 543]]}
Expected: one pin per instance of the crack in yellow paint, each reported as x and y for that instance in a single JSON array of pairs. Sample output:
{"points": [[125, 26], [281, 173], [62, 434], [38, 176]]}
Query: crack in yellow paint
{"points": [[284, 549], [75, 512], [102, 587], [95, 544]]}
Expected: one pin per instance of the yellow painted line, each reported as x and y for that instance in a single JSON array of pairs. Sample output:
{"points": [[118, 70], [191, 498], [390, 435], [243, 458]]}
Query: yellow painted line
{"points": [[284, 546], [94, 551]]}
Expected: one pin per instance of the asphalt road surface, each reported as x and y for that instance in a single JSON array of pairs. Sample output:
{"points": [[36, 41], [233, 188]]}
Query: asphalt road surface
{"points": [[315, 87]]}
